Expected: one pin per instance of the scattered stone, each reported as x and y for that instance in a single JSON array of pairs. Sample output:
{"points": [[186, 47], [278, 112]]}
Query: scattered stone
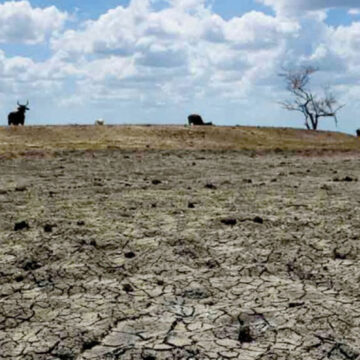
{"points": [[296, 304], [148, 357], [156, 182], [31, 265], [348, 179], [196, 294], [48, 228], [212, 263], [229, 221], [345, 179], [93, 243], [128, 288], [191, 205], [325, 187], [64, 354], [210, 186], [130, 255], [21, 226], [19, 278], [258, 220], [339, 255], [88, 345], [245, 334]]}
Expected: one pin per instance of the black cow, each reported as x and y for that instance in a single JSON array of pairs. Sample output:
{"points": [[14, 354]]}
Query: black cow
{"points": [[18, 117], [358, 132], [195, 119]]}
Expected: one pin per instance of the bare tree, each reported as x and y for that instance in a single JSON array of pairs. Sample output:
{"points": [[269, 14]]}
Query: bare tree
{"points": [[312, 107]]}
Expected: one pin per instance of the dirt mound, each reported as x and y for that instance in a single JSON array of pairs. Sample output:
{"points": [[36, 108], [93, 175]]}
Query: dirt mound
{"points": [[43, 141]]}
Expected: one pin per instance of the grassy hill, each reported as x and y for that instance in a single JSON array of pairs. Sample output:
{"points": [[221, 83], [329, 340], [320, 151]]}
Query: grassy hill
{"points": [[46, 139]]}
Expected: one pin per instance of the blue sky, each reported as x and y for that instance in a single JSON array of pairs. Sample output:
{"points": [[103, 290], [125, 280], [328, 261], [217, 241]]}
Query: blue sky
{"points": [[156, 61]]}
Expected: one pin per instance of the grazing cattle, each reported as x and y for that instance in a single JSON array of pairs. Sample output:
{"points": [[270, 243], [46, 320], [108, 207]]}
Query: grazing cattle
{"points": [[100, 122], [358, 132], [195, 119], [18, 117]]}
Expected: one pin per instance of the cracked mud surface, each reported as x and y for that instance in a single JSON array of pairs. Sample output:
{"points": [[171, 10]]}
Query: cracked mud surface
{"points": [[179, 255]]}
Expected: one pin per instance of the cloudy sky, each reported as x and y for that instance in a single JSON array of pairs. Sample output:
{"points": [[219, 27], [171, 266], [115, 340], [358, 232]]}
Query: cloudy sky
{"points": [[156, 61]]}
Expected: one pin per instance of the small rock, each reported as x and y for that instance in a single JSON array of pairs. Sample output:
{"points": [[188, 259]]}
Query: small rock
{"points": [[210, 186], [339, 255], [296, 304], [212, 263], [31, 265], [148, 357], [128, 288], [21, 226], [65, 354], [48, 228], [245, 335], [93, 243], [196, 294], [88, 345], [348, 179], [130, 255], [325, 187], [19, 278], [229, 221], [258, 220]]}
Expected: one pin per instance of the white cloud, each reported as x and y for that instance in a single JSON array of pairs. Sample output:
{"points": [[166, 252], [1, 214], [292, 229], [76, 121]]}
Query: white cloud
{"points": [[354, 12], [186, 55], [296, 7], [185, 48], [20, 22]]}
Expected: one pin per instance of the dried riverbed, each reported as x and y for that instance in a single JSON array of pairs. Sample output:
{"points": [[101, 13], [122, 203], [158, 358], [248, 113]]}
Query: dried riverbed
{"points": [[179, 255]]}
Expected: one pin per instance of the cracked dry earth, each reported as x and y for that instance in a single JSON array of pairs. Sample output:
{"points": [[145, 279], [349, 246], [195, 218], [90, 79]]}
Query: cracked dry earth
{"points": [[179, 255]]}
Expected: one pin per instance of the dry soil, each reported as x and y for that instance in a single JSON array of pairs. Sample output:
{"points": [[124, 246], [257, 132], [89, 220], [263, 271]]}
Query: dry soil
{"points": [[117, 254]]}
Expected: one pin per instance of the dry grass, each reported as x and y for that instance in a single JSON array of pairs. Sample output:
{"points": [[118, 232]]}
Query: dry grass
{"points": [[44, 140]]}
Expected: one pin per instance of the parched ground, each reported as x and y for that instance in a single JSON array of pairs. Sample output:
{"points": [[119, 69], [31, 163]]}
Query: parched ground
{"points": [[119, 254]]}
